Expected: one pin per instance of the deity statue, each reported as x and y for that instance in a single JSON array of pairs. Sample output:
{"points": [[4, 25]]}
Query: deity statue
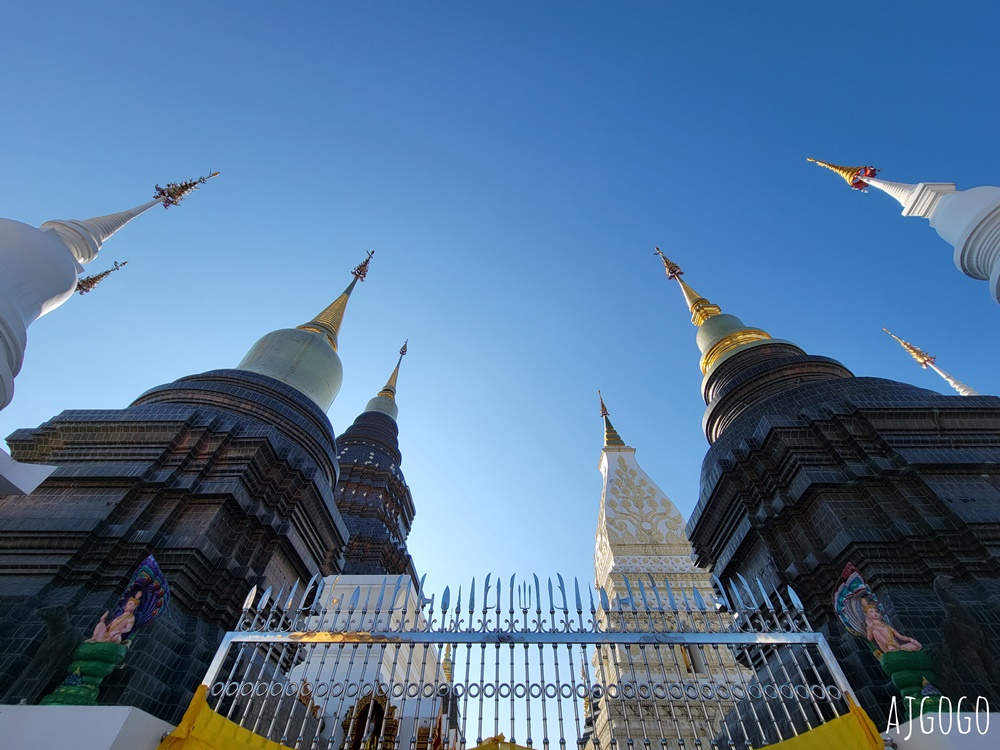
{"points": [[882, 634], [140, 604], [112, 632], [900, 656]]}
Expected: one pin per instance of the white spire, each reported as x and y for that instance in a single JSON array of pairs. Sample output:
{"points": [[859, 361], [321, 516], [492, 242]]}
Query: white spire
{"points": [[916, 200], [901, 191], [968, 220], [39, 271], [85, 237], [958, 385], [638, 528]]}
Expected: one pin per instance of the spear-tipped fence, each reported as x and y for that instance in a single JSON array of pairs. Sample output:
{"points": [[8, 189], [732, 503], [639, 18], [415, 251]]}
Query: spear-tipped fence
{"points": [[357, 663]]}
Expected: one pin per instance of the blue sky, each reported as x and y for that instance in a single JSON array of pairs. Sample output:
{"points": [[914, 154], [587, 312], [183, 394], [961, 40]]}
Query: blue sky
{"points": [[513, 165]]}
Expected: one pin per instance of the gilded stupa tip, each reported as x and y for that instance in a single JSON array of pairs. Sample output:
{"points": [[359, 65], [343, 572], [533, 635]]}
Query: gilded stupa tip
{"points": [[389, 391], [923, 358], [701, 309], [854, 176], [330, 319], [611, 436], [446, 663]]}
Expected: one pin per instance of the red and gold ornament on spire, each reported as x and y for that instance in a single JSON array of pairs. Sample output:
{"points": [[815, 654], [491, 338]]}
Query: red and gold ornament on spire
{"points": [[855, 176]]}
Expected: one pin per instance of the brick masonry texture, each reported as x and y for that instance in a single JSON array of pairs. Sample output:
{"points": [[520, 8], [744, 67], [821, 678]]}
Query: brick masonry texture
{"points": [[227, 478], [811, 467], [373, 498]]}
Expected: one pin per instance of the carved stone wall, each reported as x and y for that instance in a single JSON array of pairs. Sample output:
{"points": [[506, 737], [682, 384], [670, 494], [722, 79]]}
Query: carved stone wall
{"points": [[227, 478], [903, 482]]}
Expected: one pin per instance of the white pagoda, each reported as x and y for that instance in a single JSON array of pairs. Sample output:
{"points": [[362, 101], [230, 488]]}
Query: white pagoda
{"points": [[40, 268], [968, 220]]}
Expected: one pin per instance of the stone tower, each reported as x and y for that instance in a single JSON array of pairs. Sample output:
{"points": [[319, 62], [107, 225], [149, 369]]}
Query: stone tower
{"points": [[372, 495], [226, 477], [811, 468], [641, 546]]}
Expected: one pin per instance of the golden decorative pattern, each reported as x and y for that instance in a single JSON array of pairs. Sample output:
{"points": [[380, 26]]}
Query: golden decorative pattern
{"points": [[635, 513], [701, 309], [848, 173], [727, 344], [922, 357]]}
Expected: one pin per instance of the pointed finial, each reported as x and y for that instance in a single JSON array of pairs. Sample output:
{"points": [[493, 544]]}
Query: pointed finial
{"points": [[673, 270], [720, 342], [926, 360], [361, 270], [330, 320], [922, 357], [88, 283], [389, 391], [84, 237], [446, 663], [701, 309], [175, 192], [853, 175], [611, 436]]}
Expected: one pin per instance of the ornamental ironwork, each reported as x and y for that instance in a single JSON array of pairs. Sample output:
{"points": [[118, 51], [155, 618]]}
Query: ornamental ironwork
{"points": [[371, 663]]}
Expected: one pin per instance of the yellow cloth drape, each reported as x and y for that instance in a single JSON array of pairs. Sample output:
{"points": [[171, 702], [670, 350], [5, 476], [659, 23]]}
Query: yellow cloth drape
{"points": [[203, 729], [852, 731]]}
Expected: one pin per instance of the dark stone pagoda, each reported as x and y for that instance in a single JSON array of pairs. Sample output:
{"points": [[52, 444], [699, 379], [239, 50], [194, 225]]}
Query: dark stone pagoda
{"points": [[226, 477], [372, 494], [811, 468]]}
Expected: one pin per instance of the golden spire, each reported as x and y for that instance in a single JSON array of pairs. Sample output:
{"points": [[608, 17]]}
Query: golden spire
{"points": [[611, 436], [389, 391], [330, 319], [926, 360], [853, 175], [728, 334], [922, 357], [701, 309], [446, 663]]}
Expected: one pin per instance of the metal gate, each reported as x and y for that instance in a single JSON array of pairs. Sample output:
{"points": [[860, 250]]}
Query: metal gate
{"points": [[369, 663]]}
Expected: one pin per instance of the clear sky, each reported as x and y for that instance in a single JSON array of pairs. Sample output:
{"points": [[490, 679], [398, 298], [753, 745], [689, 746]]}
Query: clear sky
{"points": [[512, 164]]}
